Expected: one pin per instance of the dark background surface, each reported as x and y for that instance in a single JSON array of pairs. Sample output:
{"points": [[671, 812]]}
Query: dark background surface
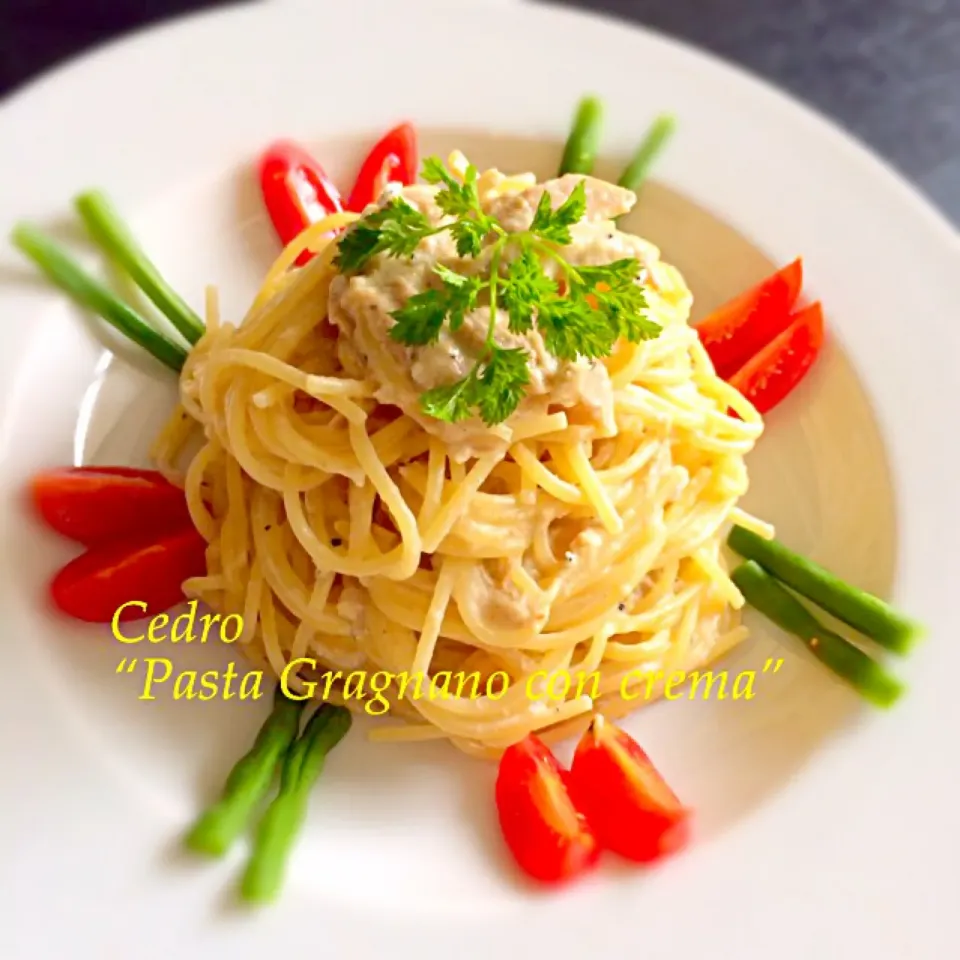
{"points": [[886, 70]]}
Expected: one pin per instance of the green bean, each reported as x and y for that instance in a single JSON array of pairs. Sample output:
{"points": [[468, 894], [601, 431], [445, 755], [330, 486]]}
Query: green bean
{"points": [[650, 147], [580, 152], [857, 608], [70, 277], [284, 817], [114, 237], [249, 780], [848, 662]]}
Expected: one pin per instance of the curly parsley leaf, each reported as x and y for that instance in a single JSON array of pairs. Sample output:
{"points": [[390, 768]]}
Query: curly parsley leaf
{"points": [[524, 289], [456, 199], [554, 225], [496, 391], [461, 292], [502, 384], [572, 328], [396, 229], [435, 171], [469, 236], [460, 200], [617, 294], [453, 402], [357, 246], [420, 320]]}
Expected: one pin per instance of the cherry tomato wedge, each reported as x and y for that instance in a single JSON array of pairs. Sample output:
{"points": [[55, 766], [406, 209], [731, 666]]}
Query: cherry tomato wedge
{"points": [[394, 157], [93, 586], [547, 836], [118, 471], [627, 803], [296, 191], [769, 376], [733, 333], [95, 504]]}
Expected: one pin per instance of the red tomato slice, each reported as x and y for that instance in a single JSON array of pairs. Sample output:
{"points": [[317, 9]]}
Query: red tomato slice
{"points": [[393, 157], [296, 191], [769, 376], [141, 472], [96, 504], [628, 804], [733, 333], [93, 586], [547, 836]]}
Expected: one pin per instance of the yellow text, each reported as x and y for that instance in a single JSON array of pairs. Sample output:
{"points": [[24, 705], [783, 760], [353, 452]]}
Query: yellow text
{"points": [[703, 685], [192, 684], [182, 629], [373, 687]]}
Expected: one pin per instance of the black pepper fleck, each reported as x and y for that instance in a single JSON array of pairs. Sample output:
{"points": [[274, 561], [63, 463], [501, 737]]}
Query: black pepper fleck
{"points": [[335, 542], [621, 607], [569, 556]]}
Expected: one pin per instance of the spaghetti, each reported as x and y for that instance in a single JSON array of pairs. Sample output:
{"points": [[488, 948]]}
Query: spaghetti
{"points": [[345, 530]]}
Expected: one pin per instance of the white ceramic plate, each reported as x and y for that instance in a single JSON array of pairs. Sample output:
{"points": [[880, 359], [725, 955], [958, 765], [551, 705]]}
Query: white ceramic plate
{"points": [[825, 829]]}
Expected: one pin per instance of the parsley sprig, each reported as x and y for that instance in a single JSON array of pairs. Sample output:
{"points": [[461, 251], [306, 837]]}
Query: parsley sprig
{"points": [[595, 307]]}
